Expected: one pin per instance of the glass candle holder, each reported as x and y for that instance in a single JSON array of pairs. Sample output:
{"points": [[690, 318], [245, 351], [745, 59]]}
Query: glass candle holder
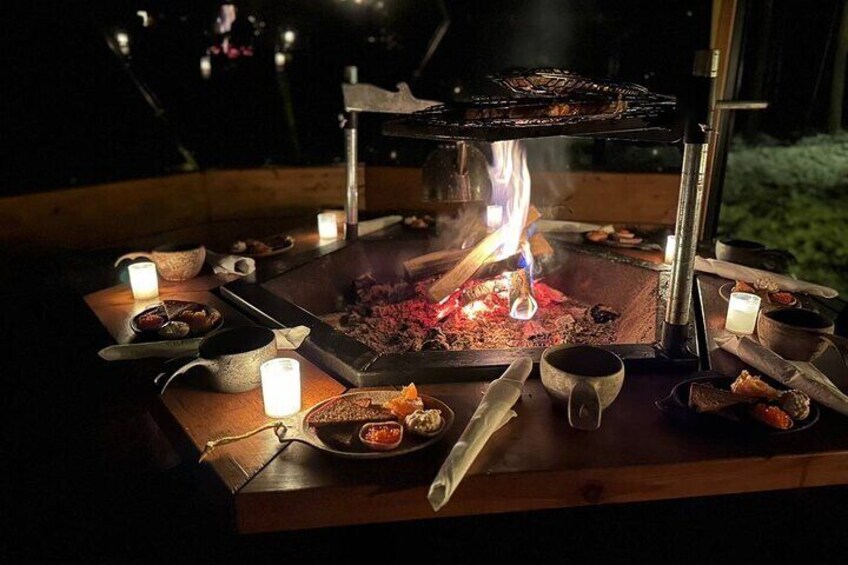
{"points": [[670, 248], [494, 216], [327, 228], [280, 387], [143, 280], [742, 310]]}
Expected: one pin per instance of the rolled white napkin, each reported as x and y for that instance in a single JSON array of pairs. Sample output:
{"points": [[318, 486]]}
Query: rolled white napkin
{"points": [[370, 226], [291, 338], [230, 264], [494, 411], [733, 271], [794, 374]]}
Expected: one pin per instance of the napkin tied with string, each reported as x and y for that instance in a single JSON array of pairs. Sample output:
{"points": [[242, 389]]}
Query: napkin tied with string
{"points": [[794, 374], [230, 264]]}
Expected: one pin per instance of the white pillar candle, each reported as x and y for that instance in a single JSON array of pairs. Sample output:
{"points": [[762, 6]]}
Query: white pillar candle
{"points": [[742, 312], [327, 228], [280, 387], [494, 216], [143, 280], [670, 248]]}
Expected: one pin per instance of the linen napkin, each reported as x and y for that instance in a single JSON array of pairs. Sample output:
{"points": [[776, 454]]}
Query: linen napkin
{"points": [[230, 264], [494, 411], [794, 374], [733, 271]]}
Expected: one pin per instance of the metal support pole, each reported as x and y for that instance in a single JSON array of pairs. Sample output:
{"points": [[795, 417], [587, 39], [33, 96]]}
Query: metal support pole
{"points": [[352, 188], [695, 105], [679, 306]]}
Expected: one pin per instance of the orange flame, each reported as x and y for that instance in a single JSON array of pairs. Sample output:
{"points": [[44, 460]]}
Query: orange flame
{"points": [[510, 179]]}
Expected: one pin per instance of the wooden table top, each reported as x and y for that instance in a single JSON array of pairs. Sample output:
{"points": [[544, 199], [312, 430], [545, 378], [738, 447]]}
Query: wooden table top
{"points": [[535, 462]]}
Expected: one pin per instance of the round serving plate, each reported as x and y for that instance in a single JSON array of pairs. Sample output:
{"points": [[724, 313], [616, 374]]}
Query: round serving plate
{"points": [[296, 429], [727, 288], [676, 405], [174, 308]]}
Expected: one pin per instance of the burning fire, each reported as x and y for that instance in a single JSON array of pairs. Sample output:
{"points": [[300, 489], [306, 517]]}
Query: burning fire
{"points": [[476, 307], [510, 179]]}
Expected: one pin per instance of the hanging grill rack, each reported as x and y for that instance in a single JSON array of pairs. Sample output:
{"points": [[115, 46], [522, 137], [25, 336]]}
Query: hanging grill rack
{"points": [[548, 102]]}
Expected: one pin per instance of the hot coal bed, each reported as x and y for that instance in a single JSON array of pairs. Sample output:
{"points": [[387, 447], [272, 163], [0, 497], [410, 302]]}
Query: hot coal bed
{"points": [[371, 326]]}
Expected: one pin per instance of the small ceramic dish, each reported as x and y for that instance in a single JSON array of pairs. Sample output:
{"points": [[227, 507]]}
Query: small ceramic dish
{"points": [[419, 432], [373, 427]]}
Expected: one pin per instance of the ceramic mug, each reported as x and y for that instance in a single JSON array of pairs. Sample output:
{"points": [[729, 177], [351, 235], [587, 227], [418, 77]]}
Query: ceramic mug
{"points": [[752, 254], [175, 262], [797, 334], [584, 379], [232, 358]]}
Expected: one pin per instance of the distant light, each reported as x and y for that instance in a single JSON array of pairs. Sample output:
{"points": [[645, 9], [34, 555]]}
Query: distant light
{"points": [[380, 5], [372, 39], [280, 60], [122, 38], [288, 37], [206, 66], [145, 18], [689, 13], [357, 1], [457, 89], [393, 155]]}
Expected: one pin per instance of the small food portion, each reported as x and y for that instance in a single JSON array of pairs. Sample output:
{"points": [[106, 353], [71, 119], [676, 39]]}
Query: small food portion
{"points": [[747, 384], [381, 436], [345, 410], [419, 222], [742, 286], [795, 403], [705, 398], [764, 283], [174, 330], [782, 298], [772, 416], [406, 402], [150, 322], [425, 423], [597, 236], [261, 247], [198, 321]]}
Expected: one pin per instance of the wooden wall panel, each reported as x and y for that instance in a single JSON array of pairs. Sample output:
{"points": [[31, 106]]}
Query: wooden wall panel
{"points": [[632, 198], [111, 214]]}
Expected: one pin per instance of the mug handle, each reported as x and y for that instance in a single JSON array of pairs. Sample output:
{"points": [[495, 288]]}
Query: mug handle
{"points": [[839, 343], [198, 362], [132, 256], [584, 407]]}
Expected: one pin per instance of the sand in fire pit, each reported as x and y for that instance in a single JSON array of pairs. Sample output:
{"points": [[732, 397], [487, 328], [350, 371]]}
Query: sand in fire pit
{"points": [[397, 318]]}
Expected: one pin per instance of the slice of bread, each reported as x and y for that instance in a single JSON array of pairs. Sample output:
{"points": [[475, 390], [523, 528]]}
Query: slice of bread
{"points": [[706, 398], [349, 410]]}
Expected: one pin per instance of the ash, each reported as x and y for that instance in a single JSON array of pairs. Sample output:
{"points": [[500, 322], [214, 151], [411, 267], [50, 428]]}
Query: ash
{"points": [[396, 317]]}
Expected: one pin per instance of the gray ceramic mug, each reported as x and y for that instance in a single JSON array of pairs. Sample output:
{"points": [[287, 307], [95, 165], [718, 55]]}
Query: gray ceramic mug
{"points": [[798, 334], [175, 262], [232, 358], [584, 379]]}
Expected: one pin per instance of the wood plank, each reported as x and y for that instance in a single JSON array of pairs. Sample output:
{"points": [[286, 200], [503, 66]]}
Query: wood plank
{"points": [[204, 415], [103, 215]]}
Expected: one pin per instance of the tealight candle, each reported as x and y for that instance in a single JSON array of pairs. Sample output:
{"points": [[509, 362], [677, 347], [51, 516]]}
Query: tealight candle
{"points": [[494, 216], [280, 387], [670, 248], [742, 312], [143, 280], [327, 228]]}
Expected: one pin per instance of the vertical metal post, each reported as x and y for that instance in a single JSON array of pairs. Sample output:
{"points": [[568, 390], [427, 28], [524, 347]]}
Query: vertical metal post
{"points": [[352, 188], [675, 328]]}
